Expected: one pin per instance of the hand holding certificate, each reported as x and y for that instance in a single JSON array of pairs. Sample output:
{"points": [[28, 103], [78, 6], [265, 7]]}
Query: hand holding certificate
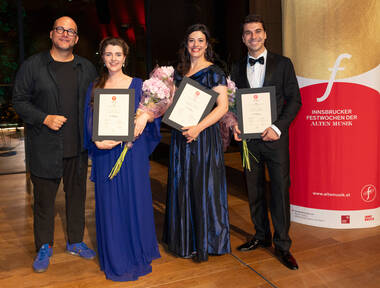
{"points": [[191, 103], [113, 114], [113, 119], [256, 110]]}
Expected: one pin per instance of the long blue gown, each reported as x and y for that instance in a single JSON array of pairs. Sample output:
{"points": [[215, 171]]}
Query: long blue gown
{"points": [[196, 219], [125, 230]]}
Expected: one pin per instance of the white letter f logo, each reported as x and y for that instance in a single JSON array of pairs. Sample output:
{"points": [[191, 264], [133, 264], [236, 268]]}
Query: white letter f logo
{"points": [[333, 75]]}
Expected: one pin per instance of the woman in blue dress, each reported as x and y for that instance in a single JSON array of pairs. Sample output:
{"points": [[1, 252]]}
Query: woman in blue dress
{"points": [[125, 230], [196, 218]]}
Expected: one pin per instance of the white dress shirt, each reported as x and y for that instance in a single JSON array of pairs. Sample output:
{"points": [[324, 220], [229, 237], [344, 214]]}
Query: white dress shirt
{"points": [[256, 73], [256, 76]]}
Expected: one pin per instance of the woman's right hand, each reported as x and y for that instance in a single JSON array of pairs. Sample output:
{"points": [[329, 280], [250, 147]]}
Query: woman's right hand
{"points": [[107, 144], [141, 120]]}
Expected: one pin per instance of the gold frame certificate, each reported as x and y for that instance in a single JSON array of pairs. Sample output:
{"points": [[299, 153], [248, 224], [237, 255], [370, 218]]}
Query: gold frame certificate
{"points": [[114, 111], [191, 103], [256, 109]]}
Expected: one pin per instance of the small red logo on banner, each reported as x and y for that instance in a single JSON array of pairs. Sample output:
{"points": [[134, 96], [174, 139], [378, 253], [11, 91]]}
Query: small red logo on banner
{"points": [[113, 98], [369, 218], [368, 193], [345, 219], [255, 96]]}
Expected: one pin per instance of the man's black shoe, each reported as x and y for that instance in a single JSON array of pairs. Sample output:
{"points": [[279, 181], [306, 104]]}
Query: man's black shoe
{"points": [[254, 244], [287, 259]]}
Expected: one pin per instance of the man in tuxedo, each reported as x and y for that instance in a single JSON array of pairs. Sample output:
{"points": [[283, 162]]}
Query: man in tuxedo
{"points": [[263, 68]]}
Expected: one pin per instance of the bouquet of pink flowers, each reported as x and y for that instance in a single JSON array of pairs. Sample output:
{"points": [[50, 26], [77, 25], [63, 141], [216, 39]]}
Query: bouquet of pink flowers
{"points": [[231, 90], [229, 120], [158, 91], [165, 73], [157, 96]]}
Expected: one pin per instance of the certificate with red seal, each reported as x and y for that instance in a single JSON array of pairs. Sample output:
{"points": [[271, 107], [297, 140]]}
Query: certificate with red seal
{"points": [[256, 110], [191, 103], [113, 114]]}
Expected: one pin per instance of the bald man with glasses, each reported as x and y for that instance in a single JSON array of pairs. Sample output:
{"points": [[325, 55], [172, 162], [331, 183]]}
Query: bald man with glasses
{"points": [[49, 94]]}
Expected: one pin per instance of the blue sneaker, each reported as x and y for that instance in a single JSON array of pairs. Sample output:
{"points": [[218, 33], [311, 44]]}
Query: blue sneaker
{"points": [[80, 249], [41, 263]]}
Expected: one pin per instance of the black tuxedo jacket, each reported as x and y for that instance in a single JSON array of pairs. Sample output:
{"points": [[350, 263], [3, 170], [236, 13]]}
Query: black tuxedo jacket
{"points": [[279, 72]]}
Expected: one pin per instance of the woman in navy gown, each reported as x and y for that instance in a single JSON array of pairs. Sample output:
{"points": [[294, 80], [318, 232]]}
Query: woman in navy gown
{"points": [[196, 220], [125, 228]]}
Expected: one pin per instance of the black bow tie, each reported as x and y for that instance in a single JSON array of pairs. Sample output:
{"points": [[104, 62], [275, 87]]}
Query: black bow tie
{"points": [[253, 61]]}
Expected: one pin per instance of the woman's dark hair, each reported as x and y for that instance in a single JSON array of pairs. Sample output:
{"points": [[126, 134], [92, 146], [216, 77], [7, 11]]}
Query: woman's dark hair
{"points": [[103, 73], [184, 57]]}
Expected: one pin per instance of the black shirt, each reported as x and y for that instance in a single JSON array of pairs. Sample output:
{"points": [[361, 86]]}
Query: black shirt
{"points": [[66, 78]]}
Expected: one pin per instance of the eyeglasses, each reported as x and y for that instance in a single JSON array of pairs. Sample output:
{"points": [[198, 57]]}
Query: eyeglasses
{"points": [[61, 30]]}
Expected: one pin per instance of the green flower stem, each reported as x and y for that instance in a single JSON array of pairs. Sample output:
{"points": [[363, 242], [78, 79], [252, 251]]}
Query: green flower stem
{"points": [[119, 162], [246, 153]]}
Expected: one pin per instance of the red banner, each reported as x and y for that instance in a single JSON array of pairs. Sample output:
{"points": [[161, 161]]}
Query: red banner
{"points": [[335, 157], [335, 138]]}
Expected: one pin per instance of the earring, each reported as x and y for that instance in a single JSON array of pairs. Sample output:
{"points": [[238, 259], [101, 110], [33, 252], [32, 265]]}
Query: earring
{"points": [[104, 64], [123, 65]]}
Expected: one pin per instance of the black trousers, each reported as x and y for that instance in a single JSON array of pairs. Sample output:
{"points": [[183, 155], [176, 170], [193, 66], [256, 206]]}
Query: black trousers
{"points": [[276, 156], [45, 191]]}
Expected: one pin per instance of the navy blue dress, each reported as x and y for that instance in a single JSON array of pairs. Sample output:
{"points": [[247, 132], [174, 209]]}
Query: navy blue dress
{"points": [[125, 230], [196, 219]]}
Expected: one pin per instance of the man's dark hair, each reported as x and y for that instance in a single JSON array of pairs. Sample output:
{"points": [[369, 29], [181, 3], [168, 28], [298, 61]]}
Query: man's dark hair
{"points": [[252, 18]]}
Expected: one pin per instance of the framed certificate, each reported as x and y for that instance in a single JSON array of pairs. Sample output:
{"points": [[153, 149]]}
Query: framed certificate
{"points": [[257, 110], [191, 103], [114, 111]]}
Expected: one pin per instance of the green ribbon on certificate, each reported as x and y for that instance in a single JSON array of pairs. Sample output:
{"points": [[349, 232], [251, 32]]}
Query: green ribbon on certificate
{"points": [[246, 153], [119, 162]]}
